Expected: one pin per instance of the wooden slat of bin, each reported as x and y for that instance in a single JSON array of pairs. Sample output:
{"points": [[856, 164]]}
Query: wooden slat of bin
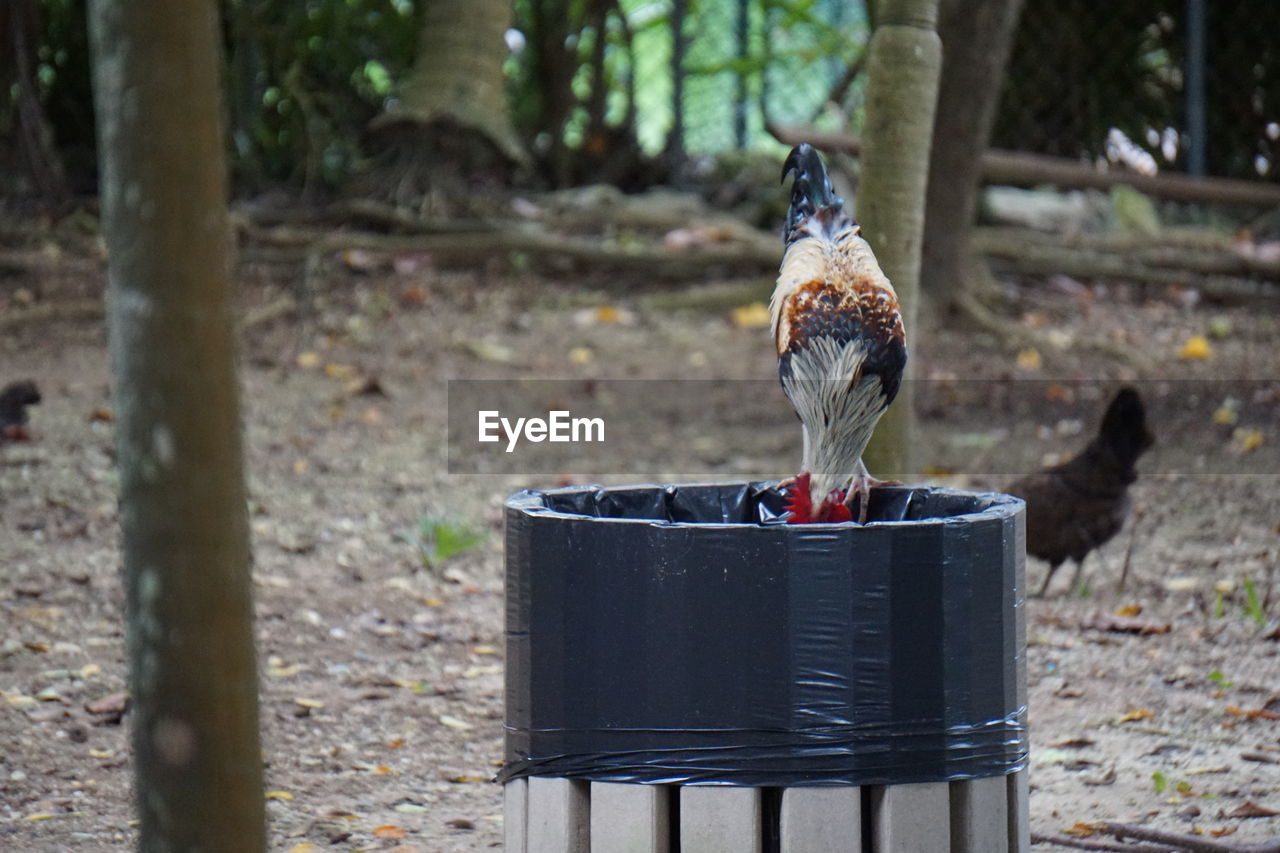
{"points": [[720, 820], [630, 818], [1019, 810], [558, 816], [980, 815], [515, 815], [911, 818], [822, 820]]}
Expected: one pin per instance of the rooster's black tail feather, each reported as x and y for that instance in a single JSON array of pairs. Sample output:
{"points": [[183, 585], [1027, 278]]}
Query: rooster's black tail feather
{"points": [[811, 191]]}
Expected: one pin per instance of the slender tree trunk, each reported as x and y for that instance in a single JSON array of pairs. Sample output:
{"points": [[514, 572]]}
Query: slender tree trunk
{"points": [[33, 136], [198, 764], [977, 36], [903, 63], [679, 48]]}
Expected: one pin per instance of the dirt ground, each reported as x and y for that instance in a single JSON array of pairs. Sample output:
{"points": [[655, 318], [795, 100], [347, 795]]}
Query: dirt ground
{"points": [[382, 678]]}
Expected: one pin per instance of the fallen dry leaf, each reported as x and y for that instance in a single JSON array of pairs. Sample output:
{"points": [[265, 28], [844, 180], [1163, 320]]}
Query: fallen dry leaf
{"points": [[340, 371], [360, 260], [1137, 714], [278, 795], [1252, 713], [390, 830], [414, 295], [454, 722], [753, 316], [20, 700], [487, 350], [1130, 610], [309, 360], [1249, 809], [1073, 743], [1082, 829], [1029, 359], [1197, 348], [366, 386], [112, 703], [1056, 392], [1244, 440], [1108, 777], [1129, 625], [303, 847], [608, 314], [285, 671]]}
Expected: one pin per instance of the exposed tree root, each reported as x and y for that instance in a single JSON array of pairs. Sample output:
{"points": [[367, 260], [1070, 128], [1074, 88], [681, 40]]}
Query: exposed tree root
{"points": [[1189, 843], [48, 312], [1089, 844]]}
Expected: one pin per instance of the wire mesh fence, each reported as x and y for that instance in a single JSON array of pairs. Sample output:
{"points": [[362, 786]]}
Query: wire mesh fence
{"points": [[1151, 85]]}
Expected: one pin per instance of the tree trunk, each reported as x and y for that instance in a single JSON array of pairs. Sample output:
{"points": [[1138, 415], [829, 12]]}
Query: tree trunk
{"points": [[450, 139], [458, 73], [32, 135], [198, 764], [977, 36], [903, 64], [674, 152]]}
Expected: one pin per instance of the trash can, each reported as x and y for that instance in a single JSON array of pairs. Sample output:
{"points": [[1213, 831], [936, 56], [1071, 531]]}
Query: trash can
{"points": [[683, 665]]}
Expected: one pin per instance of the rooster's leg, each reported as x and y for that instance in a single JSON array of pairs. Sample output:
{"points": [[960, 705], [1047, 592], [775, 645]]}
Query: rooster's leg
{"points": [[861, 488]]}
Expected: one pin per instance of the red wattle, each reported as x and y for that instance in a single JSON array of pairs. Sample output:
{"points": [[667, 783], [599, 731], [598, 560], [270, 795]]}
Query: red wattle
{"points": [[832, 510]]}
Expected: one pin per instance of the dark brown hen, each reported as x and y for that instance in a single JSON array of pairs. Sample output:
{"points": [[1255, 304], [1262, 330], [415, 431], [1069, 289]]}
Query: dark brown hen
{"points": [[1075, 507], [14, 400]]}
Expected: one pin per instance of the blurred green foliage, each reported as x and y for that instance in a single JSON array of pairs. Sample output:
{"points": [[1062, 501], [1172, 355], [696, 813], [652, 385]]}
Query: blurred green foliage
{"points": [[304, 79]]}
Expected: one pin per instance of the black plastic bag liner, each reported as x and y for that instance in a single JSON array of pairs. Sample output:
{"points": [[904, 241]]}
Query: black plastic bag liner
{"points": [[682, 634]]}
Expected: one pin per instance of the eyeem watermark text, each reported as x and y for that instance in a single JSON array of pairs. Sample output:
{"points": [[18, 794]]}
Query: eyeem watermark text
{"points": [[558, 426]]}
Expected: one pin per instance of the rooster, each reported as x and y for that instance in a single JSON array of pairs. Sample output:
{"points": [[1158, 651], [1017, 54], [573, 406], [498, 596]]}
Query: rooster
{"points": [[1077, 506], [14, 400], [840, 342]]}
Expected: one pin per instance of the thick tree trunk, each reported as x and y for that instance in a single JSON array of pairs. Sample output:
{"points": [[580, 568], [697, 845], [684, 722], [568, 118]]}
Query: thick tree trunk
{"points": [[198, 764], [458, 73], [977, 36], [449, 142], [904, 60]]}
